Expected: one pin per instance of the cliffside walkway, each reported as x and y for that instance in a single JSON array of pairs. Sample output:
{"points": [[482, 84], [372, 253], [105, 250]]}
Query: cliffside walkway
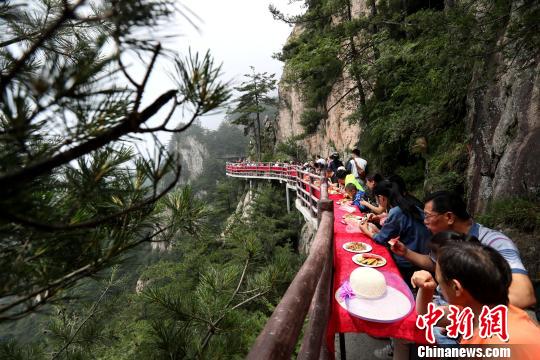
{"points": [[306, 185], [310, 292]]}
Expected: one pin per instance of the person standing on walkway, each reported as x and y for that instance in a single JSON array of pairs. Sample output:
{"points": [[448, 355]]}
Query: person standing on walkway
{"points": [[357, 167]]}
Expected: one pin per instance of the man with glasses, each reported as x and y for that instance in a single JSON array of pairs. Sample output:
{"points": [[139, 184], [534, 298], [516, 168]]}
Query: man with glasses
{"points": [[446, 211]]}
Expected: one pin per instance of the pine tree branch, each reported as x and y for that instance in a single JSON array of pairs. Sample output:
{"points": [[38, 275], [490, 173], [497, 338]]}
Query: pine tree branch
{"points": [[341, 98], [93, 310], [246, 264], [142, 86], [69, 279], [212, 326], [125, 72], [19, 39], [212, 329], [90, 223], [130, 124], [68, 13]]}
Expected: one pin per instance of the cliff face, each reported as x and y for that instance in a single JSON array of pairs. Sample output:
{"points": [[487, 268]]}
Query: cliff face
{"points": [[504, 122], [334, 133], [192, 155]]}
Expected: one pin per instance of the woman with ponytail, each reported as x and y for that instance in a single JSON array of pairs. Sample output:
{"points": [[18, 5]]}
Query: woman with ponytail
{"points": [[405, 220]]}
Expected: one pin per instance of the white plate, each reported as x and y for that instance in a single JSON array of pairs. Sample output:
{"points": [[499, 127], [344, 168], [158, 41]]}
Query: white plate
{"points": [[367, 249], [391, 307], [357, 258]]}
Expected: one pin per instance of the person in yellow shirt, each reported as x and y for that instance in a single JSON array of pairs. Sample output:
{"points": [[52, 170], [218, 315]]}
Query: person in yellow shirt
{"points": [[343, 179]]}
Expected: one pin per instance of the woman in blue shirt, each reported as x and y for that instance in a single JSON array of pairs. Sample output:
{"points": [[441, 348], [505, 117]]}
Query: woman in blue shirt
{"points": [[405, 219]]}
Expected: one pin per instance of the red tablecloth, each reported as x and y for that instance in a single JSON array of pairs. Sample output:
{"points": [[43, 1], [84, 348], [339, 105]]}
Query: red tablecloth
{"points": [[340, 320]]}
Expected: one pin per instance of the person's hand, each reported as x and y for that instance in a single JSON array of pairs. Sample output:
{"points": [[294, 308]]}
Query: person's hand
{"points": [[374, 229], [365, 228], [364, 203], [424, 280], [398, 247]]}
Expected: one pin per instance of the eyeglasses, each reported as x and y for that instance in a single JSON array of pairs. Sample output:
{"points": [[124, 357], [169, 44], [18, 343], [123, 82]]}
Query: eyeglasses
{"points": [[429, 216]]}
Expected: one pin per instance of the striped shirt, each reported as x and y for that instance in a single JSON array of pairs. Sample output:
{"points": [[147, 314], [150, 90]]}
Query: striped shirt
{"points": [[501, 243]]}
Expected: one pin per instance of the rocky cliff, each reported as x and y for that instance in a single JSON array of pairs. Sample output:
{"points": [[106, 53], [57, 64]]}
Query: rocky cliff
{"points": [[504, 124], [193, 152], [501, 115], [334, 133]]}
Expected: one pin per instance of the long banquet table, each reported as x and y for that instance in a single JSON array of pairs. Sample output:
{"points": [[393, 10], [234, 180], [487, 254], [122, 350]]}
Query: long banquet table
{"points": [[340, 320]]}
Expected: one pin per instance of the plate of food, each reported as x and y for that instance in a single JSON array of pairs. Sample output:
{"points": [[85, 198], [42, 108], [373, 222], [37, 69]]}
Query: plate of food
{"points": [[344, 202], [369, 260], [357, 247]]}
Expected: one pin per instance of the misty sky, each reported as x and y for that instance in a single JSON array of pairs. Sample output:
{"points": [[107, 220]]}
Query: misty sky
{"points": [[239, 34]]}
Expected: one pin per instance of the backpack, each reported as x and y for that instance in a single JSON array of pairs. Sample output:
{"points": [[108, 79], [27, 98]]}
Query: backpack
{"points": [[348, 166]]}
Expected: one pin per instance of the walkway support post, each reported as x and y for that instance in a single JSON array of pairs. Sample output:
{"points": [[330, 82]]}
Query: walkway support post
{"points": [[287, 197]]}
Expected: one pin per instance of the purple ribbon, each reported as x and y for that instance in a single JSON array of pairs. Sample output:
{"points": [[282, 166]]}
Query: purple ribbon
{"points": [[346, 292]]}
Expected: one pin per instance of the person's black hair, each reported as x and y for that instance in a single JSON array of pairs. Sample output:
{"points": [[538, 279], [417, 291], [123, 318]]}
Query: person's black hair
{"points": [[356, 152], [402, 187], [444, 237], [350, 186], [375, 177], [335, 156], [480, 269], [446, 201], [341, 174], [391, 191], [398, 180]]}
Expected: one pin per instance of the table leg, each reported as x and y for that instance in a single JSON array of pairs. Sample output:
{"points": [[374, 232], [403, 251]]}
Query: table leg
{"points": [[342, 346]]}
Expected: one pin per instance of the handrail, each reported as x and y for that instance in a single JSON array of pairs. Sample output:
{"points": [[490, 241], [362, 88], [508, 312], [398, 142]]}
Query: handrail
{"points": [[311, 285]]}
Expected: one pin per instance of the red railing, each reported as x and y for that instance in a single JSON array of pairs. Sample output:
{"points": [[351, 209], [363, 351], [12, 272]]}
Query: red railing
{"points": [[306, 184], [310, 291]]}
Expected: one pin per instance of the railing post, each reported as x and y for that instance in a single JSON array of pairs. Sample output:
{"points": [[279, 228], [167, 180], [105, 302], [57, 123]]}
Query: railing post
{"points": [[313, 342], [287, 197]]}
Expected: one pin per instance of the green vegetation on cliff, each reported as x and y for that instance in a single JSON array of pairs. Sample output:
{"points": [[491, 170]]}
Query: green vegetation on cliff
{"points": [[411, 66]]}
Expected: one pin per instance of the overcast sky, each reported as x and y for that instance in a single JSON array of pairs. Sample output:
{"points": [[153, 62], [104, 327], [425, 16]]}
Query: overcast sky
{"points": [[238, 33]]}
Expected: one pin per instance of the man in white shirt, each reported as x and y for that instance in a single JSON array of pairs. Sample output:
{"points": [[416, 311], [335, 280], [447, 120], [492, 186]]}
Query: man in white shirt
{"points": [[358, 167]]}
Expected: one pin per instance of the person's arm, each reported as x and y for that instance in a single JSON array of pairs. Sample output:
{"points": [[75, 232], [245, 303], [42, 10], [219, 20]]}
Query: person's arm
{"points": [[426, 285], [420, 260], [375, 209], [390, 229], [521, 291]]}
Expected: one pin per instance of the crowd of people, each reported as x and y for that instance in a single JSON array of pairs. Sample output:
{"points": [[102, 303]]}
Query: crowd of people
{"points": [[445, 256]]}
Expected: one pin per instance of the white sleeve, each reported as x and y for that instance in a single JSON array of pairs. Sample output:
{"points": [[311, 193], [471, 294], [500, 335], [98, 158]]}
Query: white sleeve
{"points": [[354, 172]]}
